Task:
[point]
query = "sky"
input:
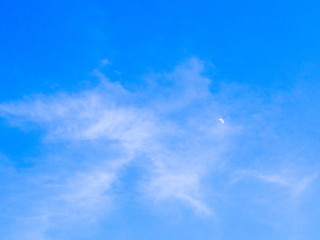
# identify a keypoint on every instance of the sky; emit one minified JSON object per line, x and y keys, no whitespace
{"x":138,"y":120}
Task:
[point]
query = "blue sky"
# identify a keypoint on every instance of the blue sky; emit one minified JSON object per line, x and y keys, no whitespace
{"x":109,"y":120}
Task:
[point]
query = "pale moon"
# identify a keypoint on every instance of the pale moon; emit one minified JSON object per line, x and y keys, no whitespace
{"x":221,"y":120}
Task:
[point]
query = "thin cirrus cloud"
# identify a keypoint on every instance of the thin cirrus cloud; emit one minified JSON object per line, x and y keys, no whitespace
{"x":100,"y":131}
{"x":294,"y":183}
{"x":172,"y":128}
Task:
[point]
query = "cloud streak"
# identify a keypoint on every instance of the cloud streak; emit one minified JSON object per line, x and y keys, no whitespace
{"x":170,"y":128}
{"x":111,"y":123}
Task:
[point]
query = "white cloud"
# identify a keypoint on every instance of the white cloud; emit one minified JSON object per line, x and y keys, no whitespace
{"x":182,"y":186}
{"x":105,"y":62}
{"x":118,"y":126}
{"x":169,"y":128}
{"x":292,"y":181}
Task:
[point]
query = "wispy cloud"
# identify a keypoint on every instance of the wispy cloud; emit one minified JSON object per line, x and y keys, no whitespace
{"x":170,"y":127}
{"x":292,"y":181}
{"x":118,"y":126}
